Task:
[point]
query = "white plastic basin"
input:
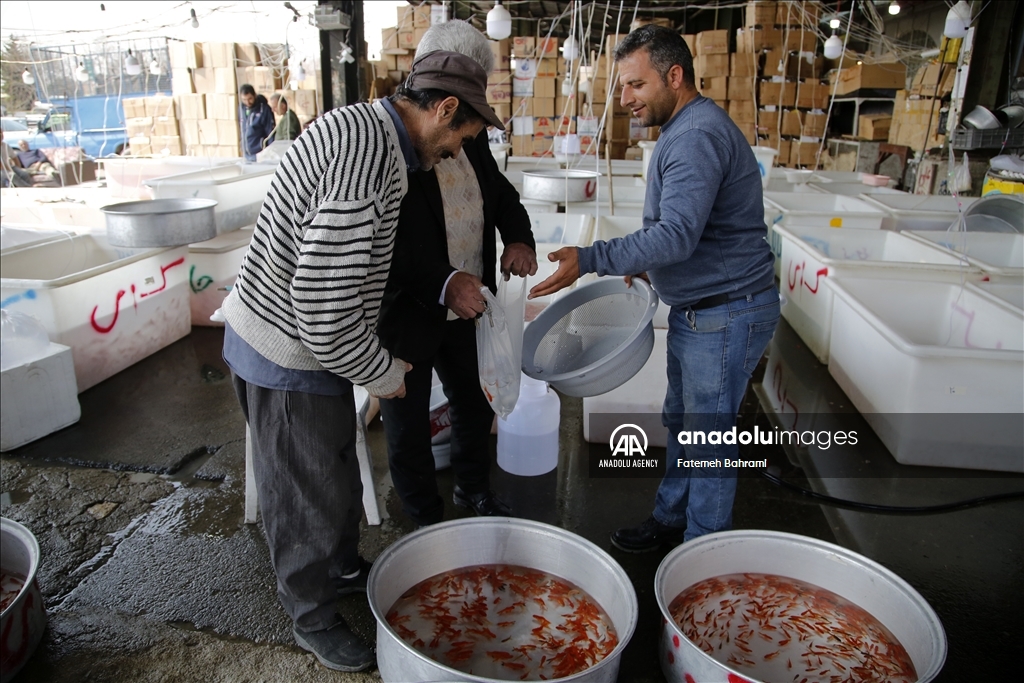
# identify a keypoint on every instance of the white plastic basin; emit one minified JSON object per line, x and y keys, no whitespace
{"x":113,"y":307}
{"x":127,"y":176}
{"x":994,"y":252}
{"x":239,"y":190}
{"x":835,"y":211}
{"x":812,"y":255}
{"x":919,"y":212}
{"x":937,"y":348}
{"x":851,"y":189}
{"x":212,"y":267}
{"x":1011,"y":293}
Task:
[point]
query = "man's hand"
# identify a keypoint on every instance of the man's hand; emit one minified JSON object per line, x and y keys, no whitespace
{"x":518,"y":259}
{"x":629,"y":279}
{"x":568,"y":272}
{"x":463,"y":296}
{"x":400,"y":391}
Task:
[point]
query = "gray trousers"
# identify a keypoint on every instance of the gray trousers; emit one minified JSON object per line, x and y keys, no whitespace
{"x":307,"y":477}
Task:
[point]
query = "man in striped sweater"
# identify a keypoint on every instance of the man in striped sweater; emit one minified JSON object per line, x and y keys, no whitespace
{"x":300,"y":328}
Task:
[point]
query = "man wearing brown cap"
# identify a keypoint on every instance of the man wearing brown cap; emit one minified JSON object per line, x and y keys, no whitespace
{"x":300,"y":330}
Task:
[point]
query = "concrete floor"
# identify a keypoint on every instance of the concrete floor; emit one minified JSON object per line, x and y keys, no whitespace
{"x":150,"y":575}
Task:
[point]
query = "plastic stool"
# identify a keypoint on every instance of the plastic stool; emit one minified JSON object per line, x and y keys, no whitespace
{"x":364,"y":413}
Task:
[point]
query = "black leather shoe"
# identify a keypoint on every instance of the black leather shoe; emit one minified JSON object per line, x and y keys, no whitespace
{"x":484,"y":504}
{"x":649,"y":535}
{"x":336,"y":648}
{"x":356,"y":584}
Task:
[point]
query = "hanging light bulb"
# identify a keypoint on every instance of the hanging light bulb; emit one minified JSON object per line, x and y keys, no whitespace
{"x":131,"y":65}
{"x":195,"y":19}
{"x":833,"y":47}
{"x":154,"y":68}
{"x":834,"y":23}
{"x":894,"y":8}
{"x":958,"y":20}
{"x":567,"y":85}
{"x":27,"y":78}
{"x":499,"y":22}
{"x":81,"y":74}
{"x":570,"y":49}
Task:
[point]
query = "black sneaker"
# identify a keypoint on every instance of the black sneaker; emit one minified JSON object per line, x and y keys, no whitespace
{"x":483,"y":504}
{"x":336,"y":648}
{"x":650,"y":535}
{"x":356,"y":584}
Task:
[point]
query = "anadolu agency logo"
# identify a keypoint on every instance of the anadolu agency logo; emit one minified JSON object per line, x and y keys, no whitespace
{"x":628,"y":444}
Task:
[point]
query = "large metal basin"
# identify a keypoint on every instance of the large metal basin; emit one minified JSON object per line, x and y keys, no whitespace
{"x":23,"y":622}
{"x":560,"y":185}
{"x":494,"y":540}
{"x":160,"y":222}
{"x":868,"y":584}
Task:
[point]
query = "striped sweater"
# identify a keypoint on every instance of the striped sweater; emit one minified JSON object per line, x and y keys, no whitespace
{"x":310,"y":286}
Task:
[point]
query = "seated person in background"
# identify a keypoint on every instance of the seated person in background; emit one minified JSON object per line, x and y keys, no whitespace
{"x":288,"y":127}
{"x":10,"y":174}
{"x":34,"y":161}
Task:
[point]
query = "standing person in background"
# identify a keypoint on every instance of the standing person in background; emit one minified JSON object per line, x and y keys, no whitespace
{"x":703,"y":246}
{"x":444,"y":254}
{"x":288,"y":127}
{"x":256,"y":119}
{"x":300,"y":326}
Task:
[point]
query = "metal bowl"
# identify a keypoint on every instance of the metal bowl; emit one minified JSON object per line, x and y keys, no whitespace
{"x":494,"y":540}
{"x":864,"y":582}
{"x":561,"y":185}
{"x":23,"y":622}
{"x":160,"y":222}
{"x":982,"y":119}
{"x":996,"y":213}
{"x":1014,"y":115}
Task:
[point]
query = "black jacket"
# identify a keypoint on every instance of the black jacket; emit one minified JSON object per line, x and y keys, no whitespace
{"x":411,"y":322}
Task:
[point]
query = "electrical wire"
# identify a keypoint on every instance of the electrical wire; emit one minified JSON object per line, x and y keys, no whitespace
{"x":892,"y":509}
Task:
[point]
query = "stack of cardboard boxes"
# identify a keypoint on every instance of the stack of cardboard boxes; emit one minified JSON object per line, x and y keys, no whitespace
{"x":152,"y":124}
{"x":398,"y":46}
{"x":917,"y":111}
{"x":540,"y":109}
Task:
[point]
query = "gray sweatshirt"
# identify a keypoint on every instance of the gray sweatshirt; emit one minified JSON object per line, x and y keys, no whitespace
{"x":703,"y":227}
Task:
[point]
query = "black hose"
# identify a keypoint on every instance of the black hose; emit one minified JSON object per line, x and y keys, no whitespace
{"x":891,"y":509}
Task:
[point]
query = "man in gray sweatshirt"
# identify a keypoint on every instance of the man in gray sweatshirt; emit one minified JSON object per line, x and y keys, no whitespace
{"x":703,"y":248}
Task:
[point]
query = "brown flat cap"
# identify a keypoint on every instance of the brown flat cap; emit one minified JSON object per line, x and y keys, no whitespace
{"x":455,"y":73}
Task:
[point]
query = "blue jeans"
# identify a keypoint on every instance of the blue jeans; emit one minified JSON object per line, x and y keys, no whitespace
{"x":711,"y":355}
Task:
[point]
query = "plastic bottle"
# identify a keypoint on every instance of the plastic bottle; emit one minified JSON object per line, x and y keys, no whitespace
{"x":23,"y":339}
{"x":528,"y":437}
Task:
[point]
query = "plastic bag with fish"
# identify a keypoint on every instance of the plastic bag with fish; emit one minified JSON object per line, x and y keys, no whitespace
{"x":499,"y":344}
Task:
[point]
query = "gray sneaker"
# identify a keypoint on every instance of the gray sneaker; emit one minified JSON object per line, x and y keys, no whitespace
{"x":336,"y":647}
{"x":356,"y":584}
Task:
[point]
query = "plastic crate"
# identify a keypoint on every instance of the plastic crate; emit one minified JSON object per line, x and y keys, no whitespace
{"x":970,"y":138}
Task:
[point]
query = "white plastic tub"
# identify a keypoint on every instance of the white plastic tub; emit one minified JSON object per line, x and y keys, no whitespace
{"x":812,"y":255}
{"x":938,"y":348}
{"x":560,"y":228}
{"x":127,"y":176}
{"x":113,"y":307}
{"x":212,"y":268}
{"x":994,"y":252}
{"x":1011,"y":293}
{"x":20,"y":236}
{"x":834,"y":211}
{"x":239,"y":190}
{"x":765,"y":157}
{"x":852,"y":189}
{"x":919,"y":212}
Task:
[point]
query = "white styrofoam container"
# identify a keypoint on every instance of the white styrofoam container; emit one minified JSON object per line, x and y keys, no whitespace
{"x":113,"y":307}
{"x":38,"y":398}
{"x":839,"y":176}
{"x":812,"y":255}
{"x":852,"y":189}
{"x":604,"y":208}
{"x":834,"y":211}
{"x":24,"y":235}
{"x":641,"y":398}
{"x":919,"y":212}
{"x":126,"y":176}
{"x":560,"y":228}
{"x":994,"y":252}
{"x":212,"y":267}
{"x":1010,"y":292}
{"x":778,"y":183}
{"x":932,"y":370}
{"x":239,"y":190}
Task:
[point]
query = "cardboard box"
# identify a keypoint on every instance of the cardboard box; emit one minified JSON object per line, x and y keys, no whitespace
{"x":544,"y":126}
{"x":304,"y":103}
{"x":757,"y":39}
{"x":778,"y":93}
{"x":525,"y":68}
{"x":189,"y":132}
{"x":140,"y":126}
{"x":547,"y":48}
{"x":768,"y":120}
{"x":221,"y":106}
{"x":407,"y":39}
{"x":545,"y":107}
{"x":742,"y":111}
{"x":181,"y":82}
{"x":191,"y":106}
{"x":638,"y":131}
{"x":760,"y":14}
{"x":775,"y":62}
{"x":522,"y":146}
{"x":803,"y":153}
{"x":715,"y":88}
{"x":160,"y":105}
{"x":246,"y":54}
{"x":796,"y":13}
{"x":522,"y":87}
{"x":185,"y":55}
{"x":933,"y":80}
{"x":792,"y":122}
{"x":545,"y":87}
{"x":800,"y":41}
{"x":166,"y":126}
{"x":547,"y":68}
{"x":710,"y":66}
{"x":207,"y":132}
{"x":885,"y":76}
{"x":140,"y":146}
{"x":166,"y":144}
{"x":502,"y":51}
{"x":814,"y":125}
{"x":523,"y":46}
{"x":749,"y":131}
{"x":499,"y":94}
{"x":874,"y":126}
{"x":617,"y":127}
{"x":503,"y":112}
{"x":397,"y":77}
{"x":224,"y":80}
{"x":417,"y":35}
{"x":203,"y":81}
{"x":744,"y":64}
{"x":804,"y":65}
{"x":389,"y":38}
{"x":227,"y":131}
{"x":421,"y":16}
{"x":691,"y":42}
{"x":134,"y":107}
{"x":404,"y":62}
{"x":812,"y":95}
{"x":713,"y":42}
{"x":742,"y":89}
{"x":219,"y":55}
{"x":567,"y":106}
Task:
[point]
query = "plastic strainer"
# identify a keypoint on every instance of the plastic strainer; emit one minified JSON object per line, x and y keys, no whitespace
{"x":593,"y":339}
